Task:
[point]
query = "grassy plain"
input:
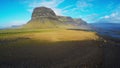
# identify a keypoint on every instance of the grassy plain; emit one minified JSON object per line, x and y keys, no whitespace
{"x":50,"y":48}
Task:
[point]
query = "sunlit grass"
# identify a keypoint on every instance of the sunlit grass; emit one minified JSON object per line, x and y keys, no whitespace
{"x":10,"y":32}
{"x":65,"y":35}
{"x":48,"y":34}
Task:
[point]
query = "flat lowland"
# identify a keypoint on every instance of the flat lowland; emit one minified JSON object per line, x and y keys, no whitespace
{"x":50,"y":48}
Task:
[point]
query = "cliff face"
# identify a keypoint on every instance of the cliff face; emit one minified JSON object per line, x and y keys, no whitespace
{"x":42,"y":12}
{"x":43,"y":17}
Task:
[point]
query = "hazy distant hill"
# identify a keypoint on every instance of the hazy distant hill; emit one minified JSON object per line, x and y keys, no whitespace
{"x":43,"y":17}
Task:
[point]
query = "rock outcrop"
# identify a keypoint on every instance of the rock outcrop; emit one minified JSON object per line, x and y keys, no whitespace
{"x":43,"y":17}
{"x":42,"y":12}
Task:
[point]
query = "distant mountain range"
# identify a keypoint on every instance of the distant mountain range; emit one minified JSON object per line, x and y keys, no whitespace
{"x":43,"y":17}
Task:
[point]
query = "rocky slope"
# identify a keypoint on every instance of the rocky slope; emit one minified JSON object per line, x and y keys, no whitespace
{"x":43,"y":17}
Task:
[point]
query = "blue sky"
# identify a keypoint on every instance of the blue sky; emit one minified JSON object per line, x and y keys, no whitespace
{"x":17,"y":12}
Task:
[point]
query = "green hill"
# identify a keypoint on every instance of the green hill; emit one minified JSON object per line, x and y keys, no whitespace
{"x":43,"y":17}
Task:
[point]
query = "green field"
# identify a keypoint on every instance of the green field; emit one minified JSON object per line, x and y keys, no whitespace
{"x":57,"y":48}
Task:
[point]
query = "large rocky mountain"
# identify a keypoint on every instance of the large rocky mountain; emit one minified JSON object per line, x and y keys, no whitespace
{"x":43,"y":17}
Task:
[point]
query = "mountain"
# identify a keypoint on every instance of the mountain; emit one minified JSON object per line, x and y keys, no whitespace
{"x":43,"y":17}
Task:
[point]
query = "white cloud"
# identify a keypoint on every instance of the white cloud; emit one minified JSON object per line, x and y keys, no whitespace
{"x":68,"y":7}
{"x":84,"y":5}
{"x":113,"y":17}
{"x":113,"y":14}
{"x":106,"y":16}
{"x":50,"y":4}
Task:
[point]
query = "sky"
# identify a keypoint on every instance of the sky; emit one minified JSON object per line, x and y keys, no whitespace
{"x":18,"y":12}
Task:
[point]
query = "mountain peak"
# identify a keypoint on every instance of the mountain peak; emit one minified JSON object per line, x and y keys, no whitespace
{"x":43,"y":12}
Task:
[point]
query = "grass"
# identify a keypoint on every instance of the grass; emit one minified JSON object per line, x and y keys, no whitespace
{"x":56,"y":48}
{"x":18,"y":31}
{"x":48,"y":34}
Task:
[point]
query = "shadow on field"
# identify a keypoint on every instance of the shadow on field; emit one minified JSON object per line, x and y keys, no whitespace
{"x":111,"y":52}
{"x":28,"y":53}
